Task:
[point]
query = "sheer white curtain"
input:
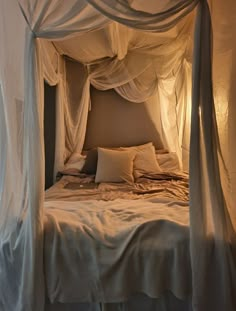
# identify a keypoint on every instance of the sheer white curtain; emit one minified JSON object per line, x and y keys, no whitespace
{"x":155,"y":20}
{"x":146,"y":76}
{"x":137,"y":72}
{"x":175,"y":97}
{"x":22,"y":187}
{"x":212,"y":234}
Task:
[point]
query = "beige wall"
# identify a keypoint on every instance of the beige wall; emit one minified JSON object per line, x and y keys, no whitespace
{"x":113,"y":121}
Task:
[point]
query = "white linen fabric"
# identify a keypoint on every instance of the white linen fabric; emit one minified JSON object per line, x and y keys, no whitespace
{"x":21,"y":194}
{"x":123,"y":244}
{"x":212,"y":167}
{"x":75,"y":164}
{"x":137,"y":66}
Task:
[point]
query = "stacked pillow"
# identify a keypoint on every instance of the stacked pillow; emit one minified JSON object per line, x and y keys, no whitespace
{"x":121,"y":164}
{"x":145,"y":161}
{"x":115,"y":166}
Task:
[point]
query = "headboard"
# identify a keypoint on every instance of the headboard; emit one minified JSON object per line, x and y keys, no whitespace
{"x":115,"y":122}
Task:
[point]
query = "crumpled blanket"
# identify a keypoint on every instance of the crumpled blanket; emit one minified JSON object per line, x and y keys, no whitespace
{"x":107,"y":251}
{"x":83,"y":187}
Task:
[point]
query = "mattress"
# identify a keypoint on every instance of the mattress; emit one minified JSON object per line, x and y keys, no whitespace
{"x":107,"y":242}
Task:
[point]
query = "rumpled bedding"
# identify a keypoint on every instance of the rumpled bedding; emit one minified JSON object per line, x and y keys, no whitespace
{"x":82,"y":187}
{"x":101,"y":250}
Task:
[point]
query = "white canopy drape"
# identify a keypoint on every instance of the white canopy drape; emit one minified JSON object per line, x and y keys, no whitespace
{"x":22,"y":164}
{"x":137,"y":66}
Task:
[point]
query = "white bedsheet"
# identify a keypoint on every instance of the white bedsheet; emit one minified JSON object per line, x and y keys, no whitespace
{"x":107,"y":251}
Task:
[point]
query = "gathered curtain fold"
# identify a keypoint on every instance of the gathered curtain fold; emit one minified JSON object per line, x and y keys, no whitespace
{"x":127,"y":14}
{"x":139,"y":60}
{"x":58,"y":19}
{"x":25,"y":240}
{"x":134,"y":76}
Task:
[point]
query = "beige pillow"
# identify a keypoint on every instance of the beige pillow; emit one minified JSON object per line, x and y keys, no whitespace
{"x":115,"y":166}
{"x":145,"y":161}
{"x":168,"y":162}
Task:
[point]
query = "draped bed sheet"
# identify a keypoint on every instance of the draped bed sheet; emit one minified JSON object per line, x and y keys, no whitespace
{"x":105,"y":243}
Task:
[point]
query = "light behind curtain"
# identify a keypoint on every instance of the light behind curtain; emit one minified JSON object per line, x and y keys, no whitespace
{"x":224,"y":77}
{"x":23,"y":238}
{"x":175,"y":97}
{"x":147,"y":66}
{"x":71,"y":118}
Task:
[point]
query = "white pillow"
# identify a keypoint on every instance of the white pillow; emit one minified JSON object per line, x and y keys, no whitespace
{"x":169,"y":162}
{"x":145,"y":161}
{"x":115,"y":166}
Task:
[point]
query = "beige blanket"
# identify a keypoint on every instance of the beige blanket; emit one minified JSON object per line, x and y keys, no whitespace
{"x":107,"y":251}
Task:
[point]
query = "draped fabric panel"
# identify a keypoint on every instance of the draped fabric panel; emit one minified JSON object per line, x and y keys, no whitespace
{"x":141,"y":67}
{"x":212,"y":233}
{"x":21,"y":172}
{"x":59,"y":19}
{"x":175,"y":94}
{"x":18,"y":262}
{"x":76,"y":123}
{"x":22,"y":195}
{"x":129,"y":14}
{"x":136,"y":73}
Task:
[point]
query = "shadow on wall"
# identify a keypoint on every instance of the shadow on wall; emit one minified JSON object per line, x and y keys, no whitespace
{"x":49,"y":132}
{"x":114,"y":121}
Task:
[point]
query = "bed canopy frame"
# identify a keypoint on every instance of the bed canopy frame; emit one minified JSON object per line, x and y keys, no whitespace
{"x":212,"y":169}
